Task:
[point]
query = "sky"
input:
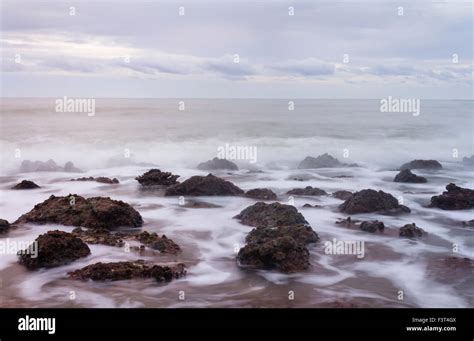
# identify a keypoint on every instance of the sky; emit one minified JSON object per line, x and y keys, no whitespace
{"x":237,"y":49}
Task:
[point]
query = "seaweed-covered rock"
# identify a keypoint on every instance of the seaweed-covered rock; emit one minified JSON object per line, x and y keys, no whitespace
{"x":454,"y":198}
{"x":54,"y":248}
{"x":270,"y":215}
{"x":369,"y":200}
{"x":342,"y":195}
{"x":261,"y":194}
{"x":129,"y":270}
{"x":209,"y":185}
{"x":100,"y":179}
{"x":155,"y":177}
{"x":25,"y":184}
{"x":411,"y":231}
{"x":4,"y":226}
{"x":216,"y":164}
{"x":154,"y":241}
{"x":302,"y":234}
{"x":372,"y":226}
{"x":308,"y":190}
{"x":74,"y":210}
{"x":99,"y":236}
{"x":422,"y":164}
{"x":407,"y":176}
{"x":322,"y":161}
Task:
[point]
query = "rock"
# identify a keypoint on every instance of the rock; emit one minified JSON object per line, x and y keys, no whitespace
{"x":302,"y":234}
{"x":411,"y":231}
{"x":209,"y":185}
{"x":199,"y":204}
{"x":155,"y":177}
{"x":407,"y":176}
{"x":312,"y":206}
{"x":372,"y":226}
{"x":270,"y":215}
{"x":74,"y":210}
{"x":54,"y":248}
{"x":468,"y":161}
{"x":26,"y":184}
{"x":301,"y":177}
{"x":455,"y":198}
{"x":261,"y":194}
{"x":162,"y":244}
{"x":322,"y":161}
{"x":422,"y":164}
{"x":308,"y":190}
{"x":28,"y":166}
{"x":101,"y":179}
{"x":369,"y":200}
{"x":459,"y":263}
{"x":216,"y":164}
{"x":469,"y":223}
{"x":99,"y":236}
{"x":343,"y":195}
{"x":128,"y":270}
{"x":347,"y":222}
{"x":4,"y":226}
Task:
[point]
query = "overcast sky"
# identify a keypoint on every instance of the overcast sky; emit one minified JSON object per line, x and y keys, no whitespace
{"x":217,"y":49}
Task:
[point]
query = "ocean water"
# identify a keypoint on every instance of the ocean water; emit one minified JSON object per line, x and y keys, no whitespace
{"x":126,"y":137}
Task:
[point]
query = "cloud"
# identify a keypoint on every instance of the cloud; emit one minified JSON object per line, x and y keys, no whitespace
{"x":305,"y":67}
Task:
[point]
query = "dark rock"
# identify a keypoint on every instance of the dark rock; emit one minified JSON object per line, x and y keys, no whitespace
{"x":459,"y":263}
{"x":347,"y":222}
{"x":372,"y":226}
{"x":455,"y":198}
{"x":155,"y":177}
{"x":469,"y":223}
{"x":407,"y":176}
{"x":343,"y":195}
{"x":101,"y":179}
{"x":26,"y":184}
{"x":301,"y":177}
{"x":322,"y":161}
{"x":422,"y":164}
{"x":4,"y":226}
{"x":97,"y":212}
{"x":261,"y":194}
{"x":282,"y":253}
{"x":99,"y":236}
{"x":411,"y":231}
{"x":128,"y":270}
{"x":312,"y":206}
{"x":199,"y":204}
{"x":54,"y":248}
{"x":369,"y":200}
{"x":270,"y":215}
{"x":28,"y":166}
{"x":209,"y":185}
{"x":162,"y":244}
{"x":302,"y":234}
{"x":468,"y":161}
{"x":308,"y":190}
{"x":216,"y":164}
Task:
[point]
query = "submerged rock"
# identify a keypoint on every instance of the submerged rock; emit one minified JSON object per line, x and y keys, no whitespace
{"x":372,"y":226}
{"x":468,"y":161}
{"x":454,"y":198}
{"x":302,"y":234}
{"x":216,"y":164}
{"x":422,"y":164}
{"x":4,"y":226}
{"x":28,"y":166}
{"x":407,"y":176}
{"x":308,"y":190}
{"x":54,"y":248}
{"x":100,"y":179}
{"x":209,"y":185}
{"x":342,"y":195}
{"x":25,"y":184}
{"x":154,"y":241}
{"x":199,"y":204}
{"x":99,"y":236}
{"x":155,"y":177}
{"x":369,"y":200}
{"x":307,"y":205}
{"x":129,"y":270}
{"x":322,"y":161}
{"x":261,"y":194}
{"x":411,"y":231}
{"x":74,"y":210}
{"x":270,"y":215}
